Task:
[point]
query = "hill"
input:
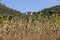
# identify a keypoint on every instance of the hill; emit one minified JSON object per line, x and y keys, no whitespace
{"x":50,"y":11}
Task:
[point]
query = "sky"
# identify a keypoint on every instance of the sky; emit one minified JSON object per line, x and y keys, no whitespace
{"x":29,"y":5}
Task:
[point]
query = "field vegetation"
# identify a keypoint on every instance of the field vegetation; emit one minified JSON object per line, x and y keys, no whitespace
{"x":42,"y":25}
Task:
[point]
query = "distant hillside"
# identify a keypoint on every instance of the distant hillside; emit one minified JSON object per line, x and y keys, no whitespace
{"x":7,"y":10}
{"x":49,"y":11}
